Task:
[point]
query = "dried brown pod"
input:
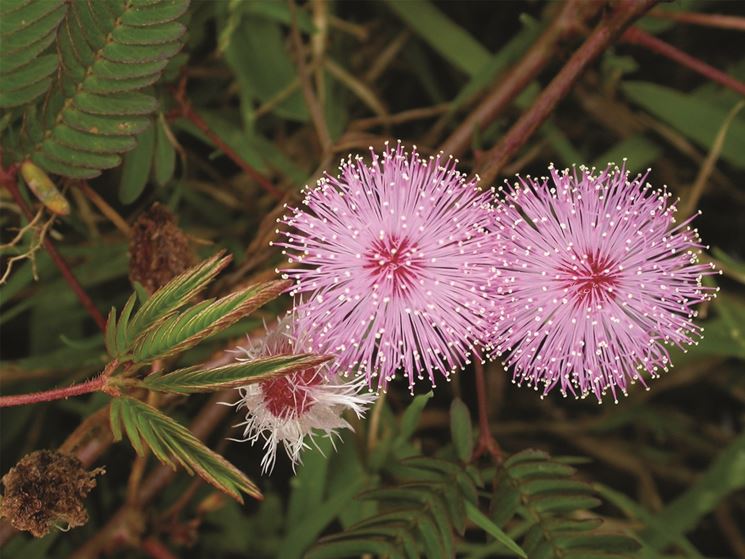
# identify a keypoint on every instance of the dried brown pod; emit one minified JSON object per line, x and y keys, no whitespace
{"x":46,"y":489}
{"x":159,"y":250}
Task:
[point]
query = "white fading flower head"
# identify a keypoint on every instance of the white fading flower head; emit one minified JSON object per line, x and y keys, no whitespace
{"x":292,"y":409}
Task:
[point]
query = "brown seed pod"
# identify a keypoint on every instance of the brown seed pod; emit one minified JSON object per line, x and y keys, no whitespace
{"x":46,"y":489}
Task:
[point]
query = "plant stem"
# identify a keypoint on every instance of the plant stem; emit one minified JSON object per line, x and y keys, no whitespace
{"x":708,"y":20}
{"x":96,"y":384}
{"x":314,"y":107}
{"x":188,"y":112}
{"x":93,"y":385}
{"x":105,"y":208}
{"x":567,"y":22}
{"x":8,"y":182}
{"x":156,"y":549}
{"x":486,"y":441}
{"x":635,"y":36}
{"x":625,"y":13}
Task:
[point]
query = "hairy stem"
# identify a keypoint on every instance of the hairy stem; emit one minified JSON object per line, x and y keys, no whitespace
{"x":93,"y":385}
{"x":8,"y":182}
{"x":97,"y":384}
{"x":625,"y":13}
{"x":188,"y":112}
{"x":636,"y":36}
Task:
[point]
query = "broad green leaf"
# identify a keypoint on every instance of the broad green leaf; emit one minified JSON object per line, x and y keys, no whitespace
{"x":461,"y":429}
{"x":172,"y":444}
{"x":695,"y":118}
{"x":654,"y":529}
{"x":638,"y":151}
{"x":301,"y":535}
{"x":164,"y":157}
{"x":443,"y":35}
{"x":725,"y":476}
{"x":410,"y":418}
{"x":235,"y":375}
{"x":136,"y":168}
{"x":259,"y":58}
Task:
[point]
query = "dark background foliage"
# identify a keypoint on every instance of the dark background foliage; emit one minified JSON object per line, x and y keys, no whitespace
{"x":668,"y":463}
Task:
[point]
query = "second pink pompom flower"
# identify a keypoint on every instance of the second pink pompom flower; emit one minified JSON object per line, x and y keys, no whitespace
{"x":394,"y":266}
{"x":597,"y":276}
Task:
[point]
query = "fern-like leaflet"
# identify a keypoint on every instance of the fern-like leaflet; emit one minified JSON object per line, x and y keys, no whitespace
{"x":543,"y":491}
{"x":108,"y":53}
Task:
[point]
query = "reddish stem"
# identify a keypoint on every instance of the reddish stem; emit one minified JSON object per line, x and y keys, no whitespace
{"x":188,"y":112}
{"x":93,"y":385}
{"x":156,"y":549}
{"x":486,"y":441}
{"x":573,"y":13}
{"x":636,"y":36}
{"x":625,"y":13}
{"x":708,"y":20}
{"x":8,"y":181}
{"x":97,"y":384}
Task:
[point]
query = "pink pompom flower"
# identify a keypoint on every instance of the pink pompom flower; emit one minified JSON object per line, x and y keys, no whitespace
{"x":292,"y":409}
{"x":597,"y":277}
{"x":394,"y":266}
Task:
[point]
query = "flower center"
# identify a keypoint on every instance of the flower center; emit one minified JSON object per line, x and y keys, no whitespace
{"x":592,"y":280}
{"x":288,"y":396}
{"x":394,"y":261}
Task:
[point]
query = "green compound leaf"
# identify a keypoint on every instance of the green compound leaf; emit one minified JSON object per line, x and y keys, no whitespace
{"x":184,"y":330}
{"x":109,"y":52}
{"x":195,"y":379}
{"x":544,"y":492}
{"x":176,"y":293}
{"x":173,"y":444}
{"x":27,"y":29}
{"x":483,"y":522}
{"x":416,"y":517}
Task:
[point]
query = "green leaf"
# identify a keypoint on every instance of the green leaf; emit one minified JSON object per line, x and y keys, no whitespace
{"x":653,"y":527}
{"x":694,"y":117}
{"x":136,"y":168}
{"x":638,"y":151}
{"x":483,"y":522}
{"x":28,"y":29}
{"x":110,"y":337}
{"x":258,"y":57}
{"x":109,"y":52}
{"x":302,"y":535}
{"x":461,"y":429}
{"x":176,"y":293}
{"x":725,"y":476}
{"x":443,"y":35}
{"x":342,"y":548}
{"x":173,"y":444}
{"x":235,"y":375}
{"x":164,"y":158}
{"x":183,"y":330}
{"x":410,"y":418}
